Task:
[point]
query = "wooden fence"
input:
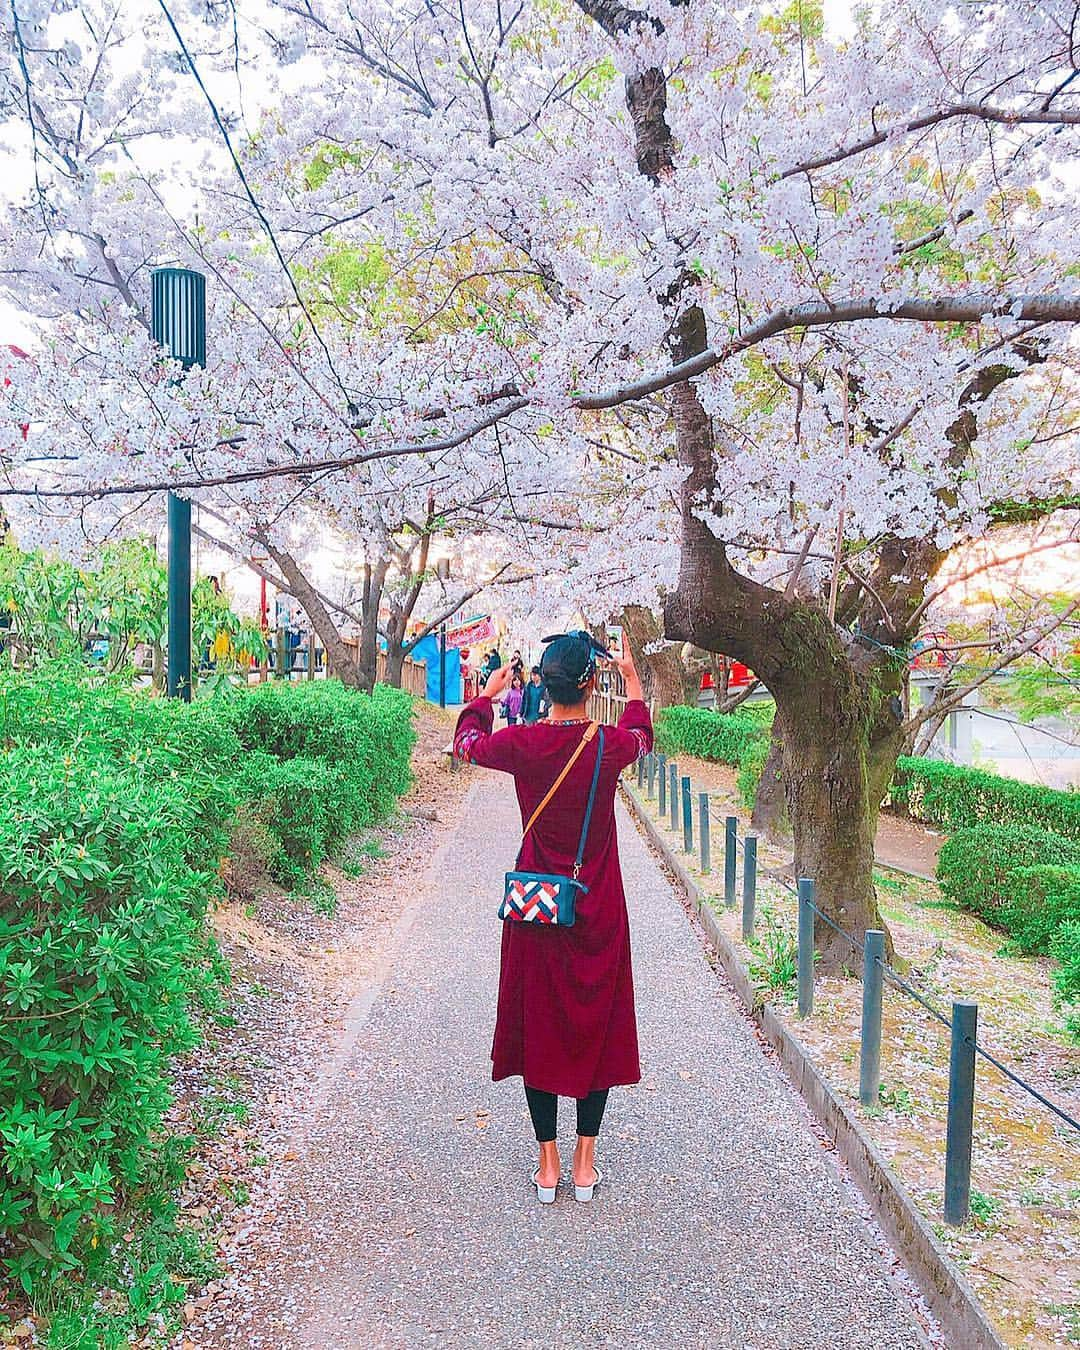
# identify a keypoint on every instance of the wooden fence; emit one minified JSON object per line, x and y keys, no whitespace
{"x":413,"y":675}
{"x":609,"y":697}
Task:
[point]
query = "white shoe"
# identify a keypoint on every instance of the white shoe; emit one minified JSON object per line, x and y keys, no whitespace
{"x":586,"y":1192}
{"x":545,"y":1194}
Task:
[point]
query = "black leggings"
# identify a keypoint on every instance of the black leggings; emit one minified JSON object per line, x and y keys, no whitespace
{"x":544,"y":1109}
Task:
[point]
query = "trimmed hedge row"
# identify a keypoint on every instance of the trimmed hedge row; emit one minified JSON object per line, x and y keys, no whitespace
{"x":322,"y":762}
{"x":115,"y":815}
{"x":955,"y":797}
{"x":1025,"y":881}
{"x":739,"y":738}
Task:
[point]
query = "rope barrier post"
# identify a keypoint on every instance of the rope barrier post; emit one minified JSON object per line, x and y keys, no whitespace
{"x":870,"y":1049}
{"x":652,"y":777}
{"x":703,"y":830}
{"x":965,"y":1018}
{"x":687,"y":817}
{"x":731,"y":848}
{"x":673,"y":796}
{"x":663,"y":786}
{"x":749,"y":884}
{"x":806,"y":946}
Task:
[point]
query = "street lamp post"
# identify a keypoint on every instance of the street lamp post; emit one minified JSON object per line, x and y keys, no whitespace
{"x":178,"y":323}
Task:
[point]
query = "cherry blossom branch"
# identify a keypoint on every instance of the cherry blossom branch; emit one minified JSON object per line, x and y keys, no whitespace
{"x":1010,"y":654}
{"x":969,"y":308}
{"x":1006,"y":116}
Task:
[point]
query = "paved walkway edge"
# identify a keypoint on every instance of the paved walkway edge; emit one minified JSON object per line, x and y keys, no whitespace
{"x":948,"y":1293}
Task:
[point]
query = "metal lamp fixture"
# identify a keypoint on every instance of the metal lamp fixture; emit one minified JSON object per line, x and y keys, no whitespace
{"x":178,"y":323}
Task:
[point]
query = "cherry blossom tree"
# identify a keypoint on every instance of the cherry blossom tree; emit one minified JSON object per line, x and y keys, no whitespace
{"x":653,"y":299}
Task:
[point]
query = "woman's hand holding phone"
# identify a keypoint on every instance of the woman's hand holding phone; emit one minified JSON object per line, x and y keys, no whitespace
{"x":624,"y":664}
{"x":498,"y":681}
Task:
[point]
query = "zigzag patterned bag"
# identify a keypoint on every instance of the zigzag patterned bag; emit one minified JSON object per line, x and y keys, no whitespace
{"x":546,"y":897}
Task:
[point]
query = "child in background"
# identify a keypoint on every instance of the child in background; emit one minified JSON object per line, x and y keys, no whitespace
{"x":512,"y":701}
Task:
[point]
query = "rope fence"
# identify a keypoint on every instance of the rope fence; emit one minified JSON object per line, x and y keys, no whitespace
{"x":660,"y":780}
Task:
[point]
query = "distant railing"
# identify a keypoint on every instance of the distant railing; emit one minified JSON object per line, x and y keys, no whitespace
{"x":609,"y":697}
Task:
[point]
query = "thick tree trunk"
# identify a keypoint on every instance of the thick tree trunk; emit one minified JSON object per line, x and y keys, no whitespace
{"x":664,"y":677}
{"x":833,"y":823}
{"x":770,"y":815}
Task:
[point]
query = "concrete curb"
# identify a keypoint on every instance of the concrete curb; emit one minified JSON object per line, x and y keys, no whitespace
{"x":948,"y":1293}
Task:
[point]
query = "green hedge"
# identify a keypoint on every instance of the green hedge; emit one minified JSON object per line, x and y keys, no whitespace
{"x":1003,"y":873}
{"x":368,"y":738}
{"x":955,"y":797}
{"x":115,"y":816}
{"x":739,"y":738}
{"x":1044,"y":898}
{"x":322,"y":762}
{"x":1065,"y":948}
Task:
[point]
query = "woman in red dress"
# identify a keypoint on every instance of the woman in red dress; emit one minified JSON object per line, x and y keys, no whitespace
{"x":565,"y":1018}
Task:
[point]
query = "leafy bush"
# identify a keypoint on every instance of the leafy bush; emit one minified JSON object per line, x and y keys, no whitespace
{"x":751,"y":766}
{"x":739,"y":738}
{"x":116,"y":811}
{"x":979,"y":868}
{"x":62,"y":708}
{"x":323,"y":762}
{"x":708,"y":735}
{"x":1042,"y":899}
{"x":1065,"y":948}
{"x":102,"y":948}
{"x":955,"y":797}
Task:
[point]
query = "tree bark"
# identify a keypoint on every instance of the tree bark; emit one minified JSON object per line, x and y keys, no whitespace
{"x":665,"y":679}
{"x":824,"y":735}
{"x":395,"y":664}
{"x":770,"y":815}
{"x":368,"y":651}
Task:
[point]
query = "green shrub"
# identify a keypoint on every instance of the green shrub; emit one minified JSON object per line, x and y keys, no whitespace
{"x":751,"y":766}
{"x":723,"y":737}
{"x":1042,"y":899}
{"x":369,"y":737}
{"x":305,"y":805}
{"x":978,"y":868}
{"x":61,"y":707}
{"x":322,"y":763}
{"x":116,"y":810}
{"x":102,"y":947}
{"x":955,"y":797}
{"x":1065,"y":948}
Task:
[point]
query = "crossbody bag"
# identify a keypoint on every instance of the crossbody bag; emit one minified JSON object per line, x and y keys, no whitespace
{"x":547,"y":897}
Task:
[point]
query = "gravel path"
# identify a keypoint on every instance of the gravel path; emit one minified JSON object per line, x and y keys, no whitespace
{"x":409,"y":1220}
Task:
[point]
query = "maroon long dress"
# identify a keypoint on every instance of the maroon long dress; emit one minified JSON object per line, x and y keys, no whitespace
{"x":565,"y":1018}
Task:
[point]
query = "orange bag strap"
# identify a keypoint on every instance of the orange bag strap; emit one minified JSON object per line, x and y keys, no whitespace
{"x":590,"y":732}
